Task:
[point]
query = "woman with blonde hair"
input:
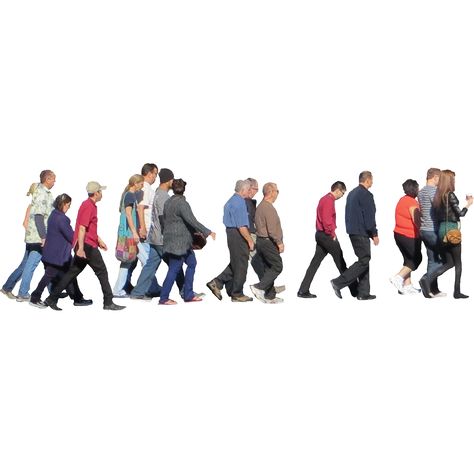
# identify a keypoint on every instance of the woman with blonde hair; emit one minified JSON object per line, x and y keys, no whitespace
{"x":448,"y":213}
{"x":129,"y":219}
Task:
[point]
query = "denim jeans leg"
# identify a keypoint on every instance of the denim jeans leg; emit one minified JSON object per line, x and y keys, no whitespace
{"x":121,"y":279}
{"x":145,"y":280}
{"x":191,"y":262}
{"x":175,"y":264}
{"x":34,"y":258}
{"x":15,"y":277}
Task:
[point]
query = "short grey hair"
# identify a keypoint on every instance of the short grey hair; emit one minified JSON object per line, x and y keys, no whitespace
{"x":242,"y":184}
{"x":253,"y":182}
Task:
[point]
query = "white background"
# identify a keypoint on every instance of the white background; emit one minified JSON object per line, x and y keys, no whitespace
{"x":300,"y":93}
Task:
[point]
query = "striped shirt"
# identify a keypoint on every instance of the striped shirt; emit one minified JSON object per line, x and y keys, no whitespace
{"x":428,"y":217}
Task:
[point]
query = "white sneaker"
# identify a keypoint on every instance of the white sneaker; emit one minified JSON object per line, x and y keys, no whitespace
{"x":438,"y":295}
{"x":275,"y":300}
{"x":410,"y":290}
{"x":280,"y":289}
{"x":259,"y":294}
{"x":397,"y":282}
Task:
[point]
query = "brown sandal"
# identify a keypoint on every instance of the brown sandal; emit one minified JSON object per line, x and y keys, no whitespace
{"x":168,"y":302}
{"x":193,"y":299}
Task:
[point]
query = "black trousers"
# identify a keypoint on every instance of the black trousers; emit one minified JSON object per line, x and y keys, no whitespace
{"x":235,"y":274}
{"x":53,"y":274}
{"x":325,"y":245}
{"x":95,"y":261}
{"x":256,"y":260}
{"x":359,"y":270}
{"x":273,"y":266}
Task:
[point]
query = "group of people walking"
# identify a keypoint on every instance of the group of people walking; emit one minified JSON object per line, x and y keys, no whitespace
{"x":156,"y":227}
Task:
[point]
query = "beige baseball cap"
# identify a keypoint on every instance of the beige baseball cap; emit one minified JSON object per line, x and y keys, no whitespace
{"x":94,"y":187}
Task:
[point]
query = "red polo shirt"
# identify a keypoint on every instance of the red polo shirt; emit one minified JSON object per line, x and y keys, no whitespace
{"x":326,"y":215}
{"x":87,"y":216}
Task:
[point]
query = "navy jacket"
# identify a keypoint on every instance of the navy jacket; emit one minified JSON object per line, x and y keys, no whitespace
{"x":360,"y":212}
{"x":57,"y":249}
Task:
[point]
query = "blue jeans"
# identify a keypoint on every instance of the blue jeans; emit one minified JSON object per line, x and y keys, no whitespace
{"x":15,"y":277}
{"x":147,"y":276}
{"x":175,"y":266}
{"x":33,"y":258}
{"x":122,"y":279}
{"x":431,"y":241}
{"x":144,"y":250}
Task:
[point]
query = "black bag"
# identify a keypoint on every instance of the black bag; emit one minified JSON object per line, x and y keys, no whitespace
{"x":199,"y":241}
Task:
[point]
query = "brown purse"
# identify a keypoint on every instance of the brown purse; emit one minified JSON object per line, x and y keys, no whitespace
{"x":452,"y":236}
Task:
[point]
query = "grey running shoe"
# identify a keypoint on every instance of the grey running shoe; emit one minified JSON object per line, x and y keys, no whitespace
{"x":39,"y":304}
{"x":8,"y":294}
{"x":22,"y":299}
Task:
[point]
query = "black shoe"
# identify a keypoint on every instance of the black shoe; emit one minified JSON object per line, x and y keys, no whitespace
{"x":52,"y":304}
{"x":460,"y":296}
{"x":63,"y":295}
{"x":113,"y":307}
{"x":305,"y":294}
{"x":425,"y":287}
{"x":82,"y":302}
{"x":141,"y":297}
{"x":366,"y":297}
{"x":336,"y":289}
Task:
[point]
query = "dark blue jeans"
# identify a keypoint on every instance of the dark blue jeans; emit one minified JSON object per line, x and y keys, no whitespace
{"x":433,"y":252}
{"x":175,"y":263}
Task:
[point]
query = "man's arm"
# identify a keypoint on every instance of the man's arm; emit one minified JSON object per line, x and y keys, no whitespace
{"x":244,"y":232}
{"x":141,"y":221}
{"x":80,"y":242}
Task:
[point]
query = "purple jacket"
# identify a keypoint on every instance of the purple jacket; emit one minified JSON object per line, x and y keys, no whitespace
{"x":57,"y":249}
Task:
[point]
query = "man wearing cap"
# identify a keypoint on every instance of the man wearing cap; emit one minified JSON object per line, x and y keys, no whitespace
{"x":87,"y":243}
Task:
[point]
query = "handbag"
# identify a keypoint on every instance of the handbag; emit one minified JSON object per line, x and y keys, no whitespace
{"x":452,"y":236}
{"x":199,"y":241}
{"x":126,"y":249}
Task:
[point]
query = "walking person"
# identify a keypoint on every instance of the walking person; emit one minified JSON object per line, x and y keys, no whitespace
{"x":407,"y":237}
{"x":144,"y":209}
{"x":179,"y":225}
{"x":57,"y":254}
{"x":448,"y":214}
{"x":326,"y":240}
{"x":128,"y":213}
{"x":35,"y":235}
{"x":269,"y":245}
{"x":86,"y":243}
{"x":240,"y":244}
{"x":362,"y":228}
{"x":429,"y":227}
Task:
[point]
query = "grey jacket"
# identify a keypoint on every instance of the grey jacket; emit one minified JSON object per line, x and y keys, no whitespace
{"x":179,"y":226}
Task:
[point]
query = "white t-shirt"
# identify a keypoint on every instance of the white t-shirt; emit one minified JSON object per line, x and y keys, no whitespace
{"x":147,"y":201}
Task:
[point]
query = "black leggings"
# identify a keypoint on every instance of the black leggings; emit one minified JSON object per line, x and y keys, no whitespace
{"x":410,"y":248}
{"x":452,"y":258}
